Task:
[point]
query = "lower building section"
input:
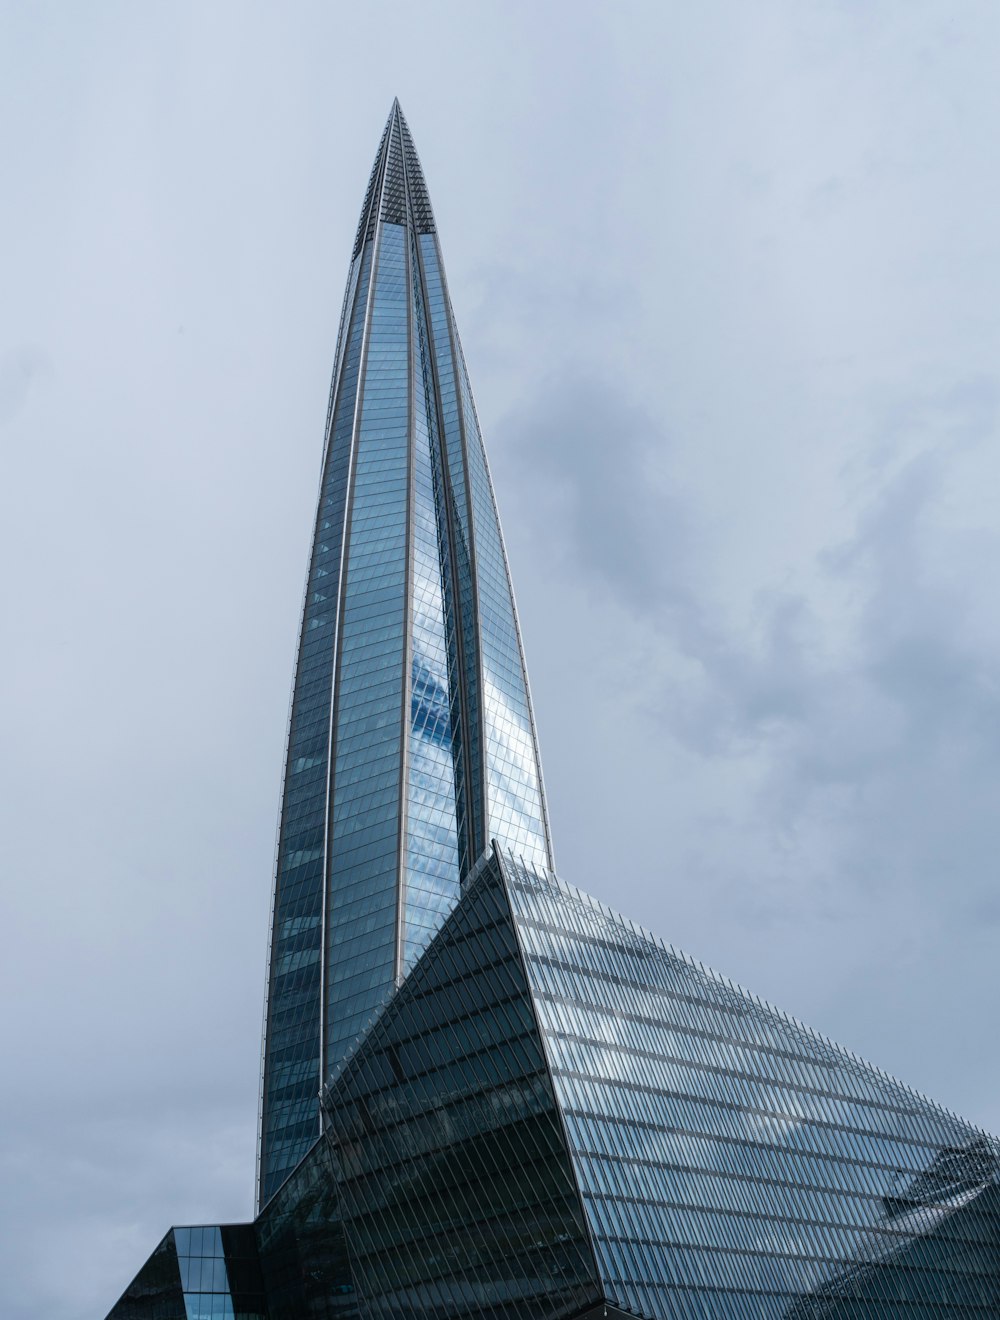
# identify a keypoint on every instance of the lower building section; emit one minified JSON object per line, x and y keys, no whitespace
{"x":734,"y":1164}
{"x":557,"y":1117}
{"x":456,"y":1186}
{"x":203,"y":1273}
{"x":300,"y":1240}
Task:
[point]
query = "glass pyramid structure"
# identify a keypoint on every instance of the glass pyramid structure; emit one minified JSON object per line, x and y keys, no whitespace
{"x":487,"y":1096}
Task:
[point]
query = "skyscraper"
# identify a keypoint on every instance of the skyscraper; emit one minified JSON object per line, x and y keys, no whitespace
{"x":487,"y":1096}
{"x":411,"y":742}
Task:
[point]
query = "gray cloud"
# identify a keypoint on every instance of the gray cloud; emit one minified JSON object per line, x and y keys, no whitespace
{"x":594,"y":457}
{"x":727,"y":279}
{"x":853,"y":730}
{"x":892,"y":704}
{"x":19,"y":367}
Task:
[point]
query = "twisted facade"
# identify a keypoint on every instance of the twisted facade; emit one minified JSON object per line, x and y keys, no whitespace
{"x":411,"y":741}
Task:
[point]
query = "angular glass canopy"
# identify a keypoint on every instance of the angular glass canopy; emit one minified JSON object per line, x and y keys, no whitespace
{"x":733,"y":1163}
{"x":411,"y":742}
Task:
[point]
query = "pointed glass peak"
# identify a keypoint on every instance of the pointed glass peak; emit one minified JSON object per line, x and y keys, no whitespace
{"x":396,"y":193}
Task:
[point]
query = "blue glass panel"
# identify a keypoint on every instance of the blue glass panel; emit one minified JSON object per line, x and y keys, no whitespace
{"x":463,"y":634}
{"x":513,"y":811}
{"x":292,"y":1038}
{"x":362,"y":912}
{"x":198,"y":1273}
{"x":432,"y":846}
{"x":516,"y":809}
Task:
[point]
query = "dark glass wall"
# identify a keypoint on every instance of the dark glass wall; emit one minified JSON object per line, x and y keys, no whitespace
{"x":292,"y":1068}
{"x":945,"y":1260}
{"x":301,"y":1245}
{"x":208,"y":1272}
{"x":457,"y":1198}
{"x":155,"y":1293}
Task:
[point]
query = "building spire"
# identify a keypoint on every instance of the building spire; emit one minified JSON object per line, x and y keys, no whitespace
{"x":396,"y":192}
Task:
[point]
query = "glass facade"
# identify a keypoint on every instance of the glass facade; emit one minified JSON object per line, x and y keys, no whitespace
{"x":411,"y":741}
{"x":733,"y":1163}
{"x":486,"y":1095}
{"x":155,"y":1293}
{"x":558,"y":1117}
{"x":456,"y":1190}
{"x":302,"y":1252}
{"x":210,"y":1272}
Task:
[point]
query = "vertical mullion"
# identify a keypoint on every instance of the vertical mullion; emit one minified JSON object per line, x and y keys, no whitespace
{"x":407,"y":684}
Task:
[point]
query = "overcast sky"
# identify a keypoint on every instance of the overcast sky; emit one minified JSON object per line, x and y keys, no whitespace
{"x":728,"y":279}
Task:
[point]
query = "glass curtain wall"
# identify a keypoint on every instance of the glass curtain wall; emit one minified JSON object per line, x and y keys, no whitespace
{"x":411,"y":743}
{"x":733,"y":1163}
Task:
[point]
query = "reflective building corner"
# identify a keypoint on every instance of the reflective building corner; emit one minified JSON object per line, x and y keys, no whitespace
{"x":485,"y":1094}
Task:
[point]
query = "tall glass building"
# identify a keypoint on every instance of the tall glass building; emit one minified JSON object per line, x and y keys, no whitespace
{"x":411,"y":742}
{"x":487,"y":1096}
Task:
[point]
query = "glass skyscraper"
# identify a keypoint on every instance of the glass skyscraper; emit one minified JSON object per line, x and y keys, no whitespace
{"x":486,"y":1095}
{"x":411,"y":741}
